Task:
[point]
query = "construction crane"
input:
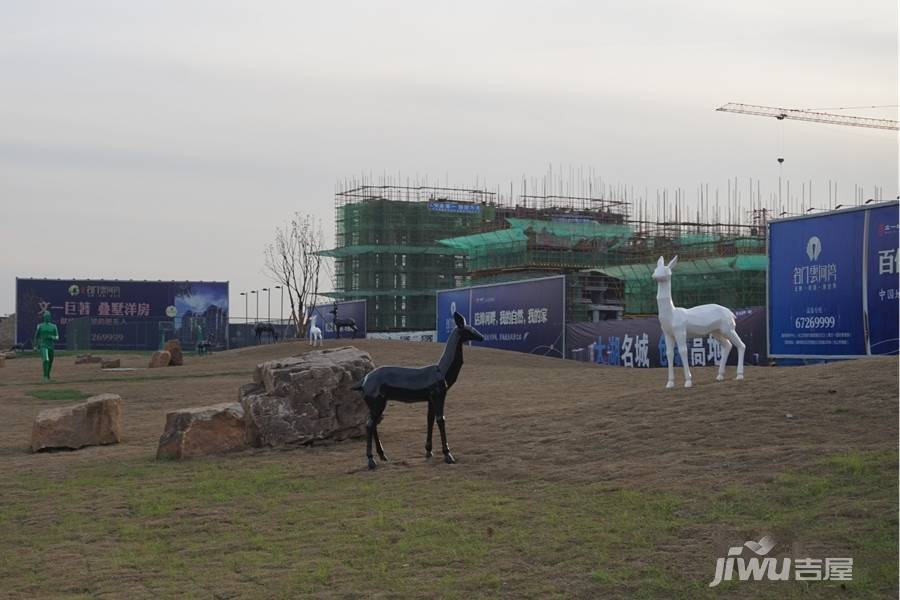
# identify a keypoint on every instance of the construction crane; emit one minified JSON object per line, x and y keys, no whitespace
{"x":798,"y":114}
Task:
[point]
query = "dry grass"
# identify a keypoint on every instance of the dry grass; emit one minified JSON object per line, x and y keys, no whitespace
{"x":573,"y":480}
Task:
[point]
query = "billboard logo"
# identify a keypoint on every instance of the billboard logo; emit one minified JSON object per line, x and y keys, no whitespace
{"x":171,"y":311}
{"x":74,"y":290}
{"x":813,"y":248}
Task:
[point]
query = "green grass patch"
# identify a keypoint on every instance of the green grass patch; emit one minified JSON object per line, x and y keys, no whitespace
{"x":254,"y":526}
{"x":58,"y":394}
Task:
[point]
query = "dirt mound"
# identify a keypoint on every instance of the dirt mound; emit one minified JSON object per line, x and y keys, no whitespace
{"x":511,"y":414}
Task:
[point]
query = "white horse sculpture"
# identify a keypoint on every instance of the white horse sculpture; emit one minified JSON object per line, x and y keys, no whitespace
{"x":679,"y":323}
{"x":314,"y":332}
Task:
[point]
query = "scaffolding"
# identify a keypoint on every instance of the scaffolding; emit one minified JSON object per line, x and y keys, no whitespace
{"x":397,"y":245}
{"x":386,"y":249}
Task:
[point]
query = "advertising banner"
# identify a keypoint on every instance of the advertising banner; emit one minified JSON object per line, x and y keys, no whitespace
{"x":832,"y":284}
{"x":882,"y":272}
{"x":350,"y":315}
{"x":125,"y":315}
{"x":522,"y":316}
{"x":640,"y":343}
{"x":815,"y":286}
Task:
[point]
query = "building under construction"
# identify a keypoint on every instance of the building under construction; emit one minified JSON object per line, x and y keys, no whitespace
{"x":396,"y":245}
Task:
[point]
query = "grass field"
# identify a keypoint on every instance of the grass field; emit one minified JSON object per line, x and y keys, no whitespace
{"x":573,"y":481}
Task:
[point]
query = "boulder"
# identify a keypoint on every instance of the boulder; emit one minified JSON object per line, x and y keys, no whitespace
{"x":160,"y":359}
{"x":173,"y":347}
{"x":203,"y":430}
{"x":304,"y":398}
{"x":94,"y":422}
{"x":9,"y":355}
{"x":85,"y":359}
{"x":111,"y":364}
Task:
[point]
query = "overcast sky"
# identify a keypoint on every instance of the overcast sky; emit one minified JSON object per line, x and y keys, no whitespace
{"x":166,"y":140}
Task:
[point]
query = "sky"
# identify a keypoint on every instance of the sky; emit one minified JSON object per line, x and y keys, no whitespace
{"x":168,"y":140}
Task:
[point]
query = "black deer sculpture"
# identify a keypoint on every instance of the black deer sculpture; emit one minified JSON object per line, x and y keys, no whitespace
{"x":425,"y":384}
{"x":267,"y":329}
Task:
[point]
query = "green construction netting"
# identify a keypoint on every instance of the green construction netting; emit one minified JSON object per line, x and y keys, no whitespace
{"x":385,"y":249}
{"x":579,"y":230}
{"x":515,"y":237}
{"x":704,"y":266}
{"x":479,"y":241}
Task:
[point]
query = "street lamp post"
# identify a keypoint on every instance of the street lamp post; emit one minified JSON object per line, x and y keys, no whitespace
{"x":246,"y":316}
{"x":281,"y":312}
{"x":269,"y":300}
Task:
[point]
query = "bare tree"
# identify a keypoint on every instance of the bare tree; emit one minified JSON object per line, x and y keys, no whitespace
{"x":293,"y":261}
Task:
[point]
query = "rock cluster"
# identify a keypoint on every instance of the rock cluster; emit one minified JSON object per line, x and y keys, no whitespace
{"x":160,"y":359}
{"x":87,"y":359}
{"x":291,"y":401}
{"x":303,"y":398}
{"x":173,"y":347}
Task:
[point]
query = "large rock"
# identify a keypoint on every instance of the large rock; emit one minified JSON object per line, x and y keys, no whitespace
{"x":303,"y":398}
{"x":94,"y":422}
{"x":173,"y":347}
{"x":160,"y":359}
{"x":114,"y":363}
{"x":203,"y":430}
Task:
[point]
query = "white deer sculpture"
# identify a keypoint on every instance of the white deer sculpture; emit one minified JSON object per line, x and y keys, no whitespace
{"x":679,"y":323}
{"x":314,"y":332}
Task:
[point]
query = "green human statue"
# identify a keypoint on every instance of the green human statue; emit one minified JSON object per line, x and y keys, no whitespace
{"x":44,"y":338}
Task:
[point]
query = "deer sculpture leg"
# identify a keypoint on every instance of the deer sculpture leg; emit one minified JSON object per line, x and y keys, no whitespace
{"x":741,"y":347}
{"x":439,"y":417}
{"x":725,"y":345}
{"x":682,"y":350}
{"x":376,"y":408}
{"x":428,"y":453}
{"x":670,"y":356}
{"x":378,"y":447}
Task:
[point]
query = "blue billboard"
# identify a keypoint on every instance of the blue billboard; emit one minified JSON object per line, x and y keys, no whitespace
{"x":882,"y":271}
{"x":824,"y":284}
{"x":351,"y":316}
{"x":522,"y":316}
{"x":123,"y":315}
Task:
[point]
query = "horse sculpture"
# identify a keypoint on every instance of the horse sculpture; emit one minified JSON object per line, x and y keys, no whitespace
{"x":426,"y":384}
{"x":679,"y":323}
{"x":314,"y":332}
{"x":266,"y":328}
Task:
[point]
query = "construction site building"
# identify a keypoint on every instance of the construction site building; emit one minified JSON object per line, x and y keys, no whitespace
{"x":396,"y":246}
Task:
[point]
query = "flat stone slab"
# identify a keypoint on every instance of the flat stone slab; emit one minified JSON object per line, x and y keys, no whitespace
{"x":94,"y":422}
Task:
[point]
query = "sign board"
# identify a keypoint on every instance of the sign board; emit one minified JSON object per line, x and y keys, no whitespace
{"x":454,"y":207}
{"x":640,"y":343}
{"x":124,"y":315}
{"x":832,"y":284}
{"x":522,"y":316}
